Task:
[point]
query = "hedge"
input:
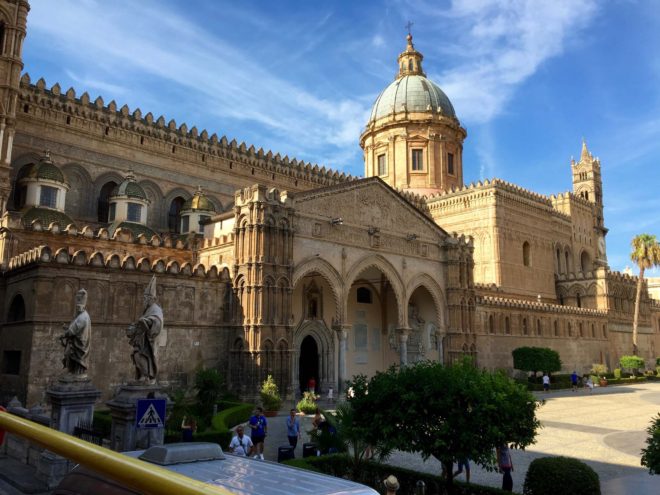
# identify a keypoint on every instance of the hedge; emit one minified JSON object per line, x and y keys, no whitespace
{"x":546,"y":474}
{"x":372,"y":474}
{"x":232,"y":416}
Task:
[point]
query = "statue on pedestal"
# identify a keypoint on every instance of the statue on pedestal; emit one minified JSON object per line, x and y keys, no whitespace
{"x":76,"y":338}
{"x":142,"y":336}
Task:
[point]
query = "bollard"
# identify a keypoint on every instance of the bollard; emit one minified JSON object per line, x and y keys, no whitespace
{"x":391,"y":484}
{"x":420,"y":488}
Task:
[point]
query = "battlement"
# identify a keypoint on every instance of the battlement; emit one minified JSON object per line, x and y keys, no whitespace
{"x":262,"y":194}
{"x":45,"y":255}
{"x":168,"y":133}
{"x":218,"y":241}
{"x":569,"y":196}
{"x":615,"y":276}
{"x":503,"y":302}
{"x":486,"y":184}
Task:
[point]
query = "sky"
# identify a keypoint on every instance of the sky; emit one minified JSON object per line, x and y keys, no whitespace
{"x":528,"y":79}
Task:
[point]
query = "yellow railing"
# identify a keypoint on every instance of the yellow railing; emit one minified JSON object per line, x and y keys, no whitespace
{"x":139,"y":475}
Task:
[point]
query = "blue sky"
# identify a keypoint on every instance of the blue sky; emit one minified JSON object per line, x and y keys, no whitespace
{"x":528,"y":79}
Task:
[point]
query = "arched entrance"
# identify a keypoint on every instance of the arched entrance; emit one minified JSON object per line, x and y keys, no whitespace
{"x":308,"y":363}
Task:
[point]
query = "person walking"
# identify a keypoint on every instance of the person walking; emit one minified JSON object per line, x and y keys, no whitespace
{"x":574,"y":380}
{"x":505,"y":464}
{"x":546,"y":382}
{"x":259,"y":427}
{"x":463,"y":464}
{"x":241,"y":445}
{"x":293,"y":429}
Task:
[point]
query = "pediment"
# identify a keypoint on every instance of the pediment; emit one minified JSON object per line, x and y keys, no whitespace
{"x":369,"y":203}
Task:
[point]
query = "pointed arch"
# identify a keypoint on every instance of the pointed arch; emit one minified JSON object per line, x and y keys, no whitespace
{"x":432,"y":286}
{"x":325,"y":270}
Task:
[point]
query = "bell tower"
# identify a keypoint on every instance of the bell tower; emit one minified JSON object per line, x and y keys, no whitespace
{"x":588,"y":184}
{"x":13,"y":21}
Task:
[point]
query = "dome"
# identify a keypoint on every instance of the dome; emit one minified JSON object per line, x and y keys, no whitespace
{"x":45,"y":169}
{"x":412,"y":93}
{"x":130,"y":188}
{"x":136,"y":228}
{"x":199,"y":202}
{"x":46,"y":216}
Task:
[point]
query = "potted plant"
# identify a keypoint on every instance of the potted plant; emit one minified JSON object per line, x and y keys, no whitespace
{"x":599,"y":370}
{"x":270,"y":397}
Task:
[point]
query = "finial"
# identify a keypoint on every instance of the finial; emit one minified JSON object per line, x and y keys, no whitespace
{"x":584,"y":155}
{"x":409,"y":24}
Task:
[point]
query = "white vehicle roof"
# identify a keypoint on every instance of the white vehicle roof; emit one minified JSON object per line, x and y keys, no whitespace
{"x":243,"y":475}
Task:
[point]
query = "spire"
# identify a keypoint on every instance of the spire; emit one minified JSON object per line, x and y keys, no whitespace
{"x":410,"y":61}
{"x":584,"y":155}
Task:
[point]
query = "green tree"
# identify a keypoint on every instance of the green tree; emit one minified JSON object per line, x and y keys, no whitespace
{"x":536,"y":359}
{"x":651,"y":454}
{"x":645,"y":254}
{"x":632,"y":363}
{"x":210,"y":387}
{"x":448,"y":412}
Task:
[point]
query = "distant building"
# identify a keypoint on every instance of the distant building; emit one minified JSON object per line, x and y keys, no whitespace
{"x":276,"y":266}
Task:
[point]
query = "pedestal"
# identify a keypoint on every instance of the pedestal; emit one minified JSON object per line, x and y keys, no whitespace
{"x":123,"y":408}
{"x":72,"y":399}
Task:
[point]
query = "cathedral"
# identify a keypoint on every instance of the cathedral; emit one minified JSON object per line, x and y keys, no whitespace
{"x":267,"y":265}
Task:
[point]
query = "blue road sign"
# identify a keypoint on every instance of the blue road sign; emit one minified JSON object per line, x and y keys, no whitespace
{"x":150,"y":413}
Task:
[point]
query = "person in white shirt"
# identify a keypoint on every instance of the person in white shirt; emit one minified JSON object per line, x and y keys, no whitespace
{"x":546,"y":382}
{"x":240,"y":444}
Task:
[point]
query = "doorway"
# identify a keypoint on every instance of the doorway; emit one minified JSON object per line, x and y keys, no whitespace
{"x":308,"y":364}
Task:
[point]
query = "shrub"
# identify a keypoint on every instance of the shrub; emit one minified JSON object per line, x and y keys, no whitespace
{"x":102,"y":422}
{"x":308,"y":403}
{"x":651,"y":454}
{"x":536,"y":359}
{"x":657,"y":370}
{"x":270,"y":396}
{"x":598,"y":369}
{"x":231,"y":417}
{"x":574,"y":477}
{"x":657,"y":361}
{"x":209,"y":384}
{"x":617,"y":373}
{"x":631,"y":362}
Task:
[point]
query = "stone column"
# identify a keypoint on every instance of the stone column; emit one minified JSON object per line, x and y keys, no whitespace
{"x":342,"y":333}
{"x":403,"y":345}
{"x":124,"y":435}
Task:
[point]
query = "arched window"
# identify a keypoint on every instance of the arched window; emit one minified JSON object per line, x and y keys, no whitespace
{"x":174,"y":216}
{"x":567,"y":266}
{"x":538,"y":327}
{"x":104,"y":201}
{"x":585,"y":262}
{"x":578,"y":300}
{"x":507,"y":326}
{"x":410,"y":65}
{"x":16,"y":309}
{"x":525,"y":330}
{"x":364,"y":295}
{"x":558,"y":261}
{"x":580,"y":332}
{"x":491,"y":324}
{"x":526,"y":253}
{"x":570,"y":330}
{"x":2,"y":37}
{"x":593,"y":331}
{"x":556,"y":325}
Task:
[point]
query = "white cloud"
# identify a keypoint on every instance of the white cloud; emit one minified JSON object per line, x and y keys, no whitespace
{"x":499,"y":44}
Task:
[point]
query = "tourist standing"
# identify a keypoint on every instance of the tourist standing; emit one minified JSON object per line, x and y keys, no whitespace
{"x":259,"y":427}
{"x":241,"y":445}
{"x":574,"y":380}
{"x":546,"y":382}
{"x":293,"y":429}
{"x":505,"y":464}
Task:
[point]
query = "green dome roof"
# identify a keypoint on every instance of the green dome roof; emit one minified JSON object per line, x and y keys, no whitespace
{"x":412,"y":93}
{"x":129,"y":187}
{"x":45,"y":169}
{"x":46,"y":216}
{"x":198,"y":202}
{"x":136,"y":228}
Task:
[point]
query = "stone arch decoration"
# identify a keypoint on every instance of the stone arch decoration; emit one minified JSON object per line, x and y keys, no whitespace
{"x":323,"y":336}
{"x":380,"y":263}
{"x":328,"y":272}
{"x":78,"y":203}
{"x":171,"y":195}
{"x":426,"y":281}
{"x":155,"y":197}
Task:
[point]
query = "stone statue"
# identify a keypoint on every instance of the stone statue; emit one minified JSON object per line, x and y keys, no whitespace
{"x":142,"y":336}
{"x":76,"y":338}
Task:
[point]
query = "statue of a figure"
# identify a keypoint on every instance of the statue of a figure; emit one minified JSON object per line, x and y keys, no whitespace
{"x":76,"y":338}
{"x":142,"y":336}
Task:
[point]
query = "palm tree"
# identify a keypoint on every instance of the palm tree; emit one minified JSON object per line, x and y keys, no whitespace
{"x":645,"y":254}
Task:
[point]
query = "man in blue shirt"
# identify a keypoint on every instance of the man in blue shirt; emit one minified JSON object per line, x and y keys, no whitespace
{"x":259,"y":427}
{"x":293,"y":429}
{"x":574,"y":380}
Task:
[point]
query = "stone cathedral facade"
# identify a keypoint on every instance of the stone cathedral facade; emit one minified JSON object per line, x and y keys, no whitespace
{"x":282,"y":267}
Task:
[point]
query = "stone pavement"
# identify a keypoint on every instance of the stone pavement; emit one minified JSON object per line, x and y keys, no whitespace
{"x":604,"y":428}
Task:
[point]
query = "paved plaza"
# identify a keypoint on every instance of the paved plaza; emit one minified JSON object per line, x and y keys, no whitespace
{"x":605,"y":429}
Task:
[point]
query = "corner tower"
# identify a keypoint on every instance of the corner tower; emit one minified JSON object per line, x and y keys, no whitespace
{"x":13,"y":21}
{"x":413,"y":139}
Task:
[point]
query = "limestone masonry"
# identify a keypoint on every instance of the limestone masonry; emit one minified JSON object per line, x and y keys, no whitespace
{"x":282,"y":267}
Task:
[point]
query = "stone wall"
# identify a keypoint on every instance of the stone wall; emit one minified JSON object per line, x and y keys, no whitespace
{"x":196,"y":308}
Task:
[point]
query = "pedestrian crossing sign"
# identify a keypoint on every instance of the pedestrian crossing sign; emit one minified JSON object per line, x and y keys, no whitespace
{"x":150,"y":413}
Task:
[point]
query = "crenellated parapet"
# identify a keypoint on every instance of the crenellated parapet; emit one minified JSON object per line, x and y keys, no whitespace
{"x":521,"y":304}
{"x":45,"y":254}
{"x":134,"y":128}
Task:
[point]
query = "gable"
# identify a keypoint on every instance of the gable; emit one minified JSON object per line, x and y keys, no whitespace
{"x":368,"y":203}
